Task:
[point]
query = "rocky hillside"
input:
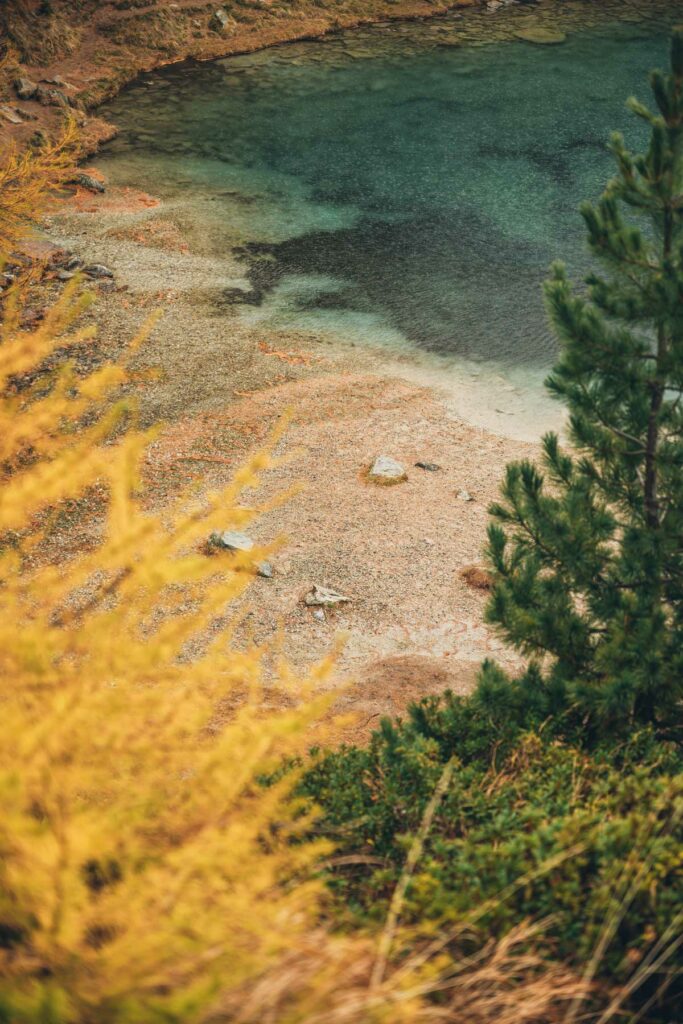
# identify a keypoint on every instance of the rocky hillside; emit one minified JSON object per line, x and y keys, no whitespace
{"x":73,"y":53}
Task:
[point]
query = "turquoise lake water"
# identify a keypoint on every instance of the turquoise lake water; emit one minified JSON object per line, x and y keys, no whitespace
{"x":390,"y":186}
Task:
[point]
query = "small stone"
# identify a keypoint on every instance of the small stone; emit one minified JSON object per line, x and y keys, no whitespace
{"x":323,"y":597}
{"x":65,"y":275}
{"x":74,"y":263}
{"x":386,"y":470}
{"x":319,"y":614}
{"x":233,"y":540}
{"x":464,"y":495}
{"x":25,"y":88}
{"x":98,"y":270}
{"x":87,"y":181}
{"x":430,"y":467}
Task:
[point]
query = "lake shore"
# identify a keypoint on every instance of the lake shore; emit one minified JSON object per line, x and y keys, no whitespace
{"x":90,"y":57}
{"x":414,"y":625}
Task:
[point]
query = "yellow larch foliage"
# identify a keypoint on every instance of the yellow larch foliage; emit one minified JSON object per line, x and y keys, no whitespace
{"x":143,"y":869}
{"x":28,"y":180}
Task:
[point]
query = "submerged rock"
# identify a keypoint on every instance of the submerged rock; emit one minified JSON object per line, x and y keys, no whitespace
{"x":386,"y":470}
{"x":233,"y":540}
{"x":542,"y":36}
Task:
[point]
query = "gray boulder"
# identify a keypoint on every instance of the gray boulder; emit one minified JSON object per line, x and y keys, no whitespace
{"x":25,"y":88}
{"x":51,"y":97}
{"x":219,"y":21}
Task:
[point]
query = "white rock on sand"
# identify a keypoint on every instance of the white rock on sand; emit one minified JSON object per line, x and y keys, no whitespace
{"x":386,"y":470}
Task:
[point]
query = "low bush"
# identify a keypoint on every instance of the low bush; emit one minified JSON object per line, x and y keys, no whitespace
{"x":529,"y":827}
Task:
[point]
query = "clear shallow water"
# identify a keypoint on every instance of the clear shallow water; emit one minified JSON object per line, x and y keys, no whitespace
{"x":391,"y":186}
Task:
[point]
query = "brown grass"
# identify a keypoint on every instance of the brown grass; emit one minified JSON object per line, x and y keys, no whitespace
{"x":328,"y":980}
{"x":38,"y":39}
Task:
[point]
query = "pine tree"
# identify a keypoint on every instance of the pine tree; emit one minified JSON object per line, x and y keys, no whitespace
{"x":587,"y":549}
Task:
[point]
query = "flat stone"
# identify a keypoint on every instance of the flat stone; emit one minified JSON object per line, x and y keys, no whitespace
{"x":17,"y":115}
{"x":429,"y":467}
{"x":541,"y":36}
{"x":323,"y":597}
{"x":464,"y":495}
{"x":233,"y":540}
{"x":98,"y":270}
{"x":58,"y":80}
{"x":10,"y":115}
{"x":386,"y":470}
